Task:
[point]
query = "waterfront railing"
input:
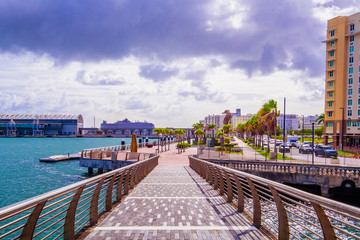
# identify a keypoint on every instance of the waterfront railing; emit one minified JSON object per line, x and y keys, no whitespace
{"x":65,"y":213}
{"x":282,"y":211}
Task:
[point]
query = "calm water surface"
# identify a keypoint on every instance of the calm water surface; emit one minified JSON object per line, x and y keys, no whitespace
{"x":22,"y":175}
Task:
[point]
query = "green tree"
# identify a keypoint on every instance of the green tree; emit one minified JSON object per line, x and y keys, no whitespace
{"x":199,"y":132}
{"x":320,"y":119}
{"x":320,"y":131}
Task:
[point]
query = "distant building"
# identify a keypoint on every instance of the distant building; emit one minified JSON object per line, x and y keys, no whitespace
{"x":41,"y":124}
{"x":126,"y":127}
{"x":291,"y":122}
{"x":214,"y":119}
{"x":237,"y":113}
{"x":307,"y":122}
{"x":342,"y":94}
{"x":236,"y":120}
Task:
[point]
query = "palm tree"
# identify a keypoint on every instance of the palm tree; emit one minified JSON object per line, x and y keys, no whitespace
{"x":320,"y":119}
{"x":158,"y":131}
{"x":199,"y":132}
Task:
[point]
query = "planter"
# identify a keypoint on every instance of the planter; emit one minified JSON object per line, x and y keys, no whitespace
{"x":273,"y":155}
{"x":334,"y":161}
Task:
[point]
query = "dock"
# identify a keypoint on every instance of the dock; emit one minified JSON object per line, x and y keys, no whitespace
{"x":59,"y":158}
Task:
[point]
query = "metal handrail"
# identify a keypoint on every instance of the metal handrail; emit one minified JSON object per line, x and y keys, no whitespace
{"x":318,"y":217}
{"x":56,"y":213}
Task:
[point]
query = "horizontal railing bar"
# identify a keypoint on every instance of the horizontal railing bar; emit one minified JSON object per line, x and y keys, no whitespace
{"x":57,"y":202}
{"x":51,"y":225}
{"x":296,"y":230}
{"x":81,"y":226}
{"x":82,"y":218}
{"x":15,"y":221}
{"x":15,"y":213}
{"x":49,"y":219}
{"x":51,"y":233}
{"x":87,"y":198}
{"x":345,"y":232}
{"x":80,"y":213}
{"x":343,"y":222}
{"x":12,"y":231}
{"x":53,"y":210}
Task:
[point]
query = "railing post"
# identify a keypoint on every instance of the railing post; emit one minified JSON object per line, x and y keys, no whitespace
{"x":256,"y":204}
{"x":326,"y":226}
{"x":69,"y":225}
{"x":94,"y":204}
{"x":119,"y":186}
{"x":127,"y":181}
{"x":240,"y":193}
{"x":221,"y":179}
{"x":284,"y":233}
{"x":132,"y":178}
{"x":109,"y":193}
{"x":29,"y":228}
{"x":229,"y":187}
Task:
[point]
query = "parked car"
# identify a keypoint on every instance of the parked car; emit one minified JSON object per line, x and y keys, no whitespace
{"x":298,"y":144}
{"x":286,"y":148}
{"x":305,"y":148}
{"x":278,"y":142}
{"x":326,"y":151}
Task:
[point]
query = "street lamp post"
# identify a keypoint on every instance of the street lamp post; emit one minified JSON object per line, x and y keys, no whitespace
{"x":312,"y":123}
{"x":342,"y":130}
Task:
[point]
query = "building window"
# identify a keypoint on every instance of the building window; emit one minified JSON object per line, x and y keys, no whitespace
{"x":331,"y":84}
{"x":351,"y":59}
{"x":349,"y":113}
{"x":330,"y":104}
{"x":354,"y":124}
{"x":332,"y":33}
{"x":331,"y":63}
{"x":351,"y":81}
{"x":351,"y":70}
{"x":332,"y":53}
{"x":330,"y":94}
{"x":359,"y":101}
{"x":331,"y":73}
{"x":329,"y":114}
{"x":351,"y":49}
{"x":352,"y":27}
{"x":359,"y":115}
{"x":359,"y":90}
{"x":352,"y":38}
{"x":350,"y":92}
{"x":332,"y":43}
{"x":348,"y":124}
{"x":329,"y":124}
{"x":350,"y":102}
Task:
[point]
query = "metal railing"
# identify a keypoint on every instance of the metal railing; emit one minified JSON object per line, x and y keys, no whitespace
{"x":117,"y":148}
{"x":283,"y":211}
{"x":65,"y":212}
{"x":309,"y":169}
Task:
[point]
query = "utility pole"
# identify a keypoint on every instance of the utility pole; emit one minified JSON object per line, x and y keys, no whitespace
{"x":284,"y":129}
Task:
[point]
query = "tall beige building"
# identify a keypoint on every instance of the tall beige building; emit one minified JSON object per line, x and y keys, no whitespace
{"x":342,"y":95}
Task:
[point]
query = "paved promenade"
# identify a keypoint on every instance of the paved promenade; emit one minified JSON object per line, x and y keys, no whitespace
{"x":174,"y":202}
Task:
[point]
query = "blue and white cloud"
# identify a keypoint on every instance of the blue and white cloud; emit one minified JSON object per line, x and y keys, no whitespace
{"x":168,"y":62}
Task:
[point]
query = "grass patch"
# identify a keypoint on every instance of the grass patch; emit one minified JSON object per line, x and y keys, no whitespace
{"x":265,"y":154}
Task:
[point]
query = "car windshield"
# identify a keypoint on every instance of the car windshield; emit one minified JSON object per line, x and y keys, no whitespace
{"x":328,"y":148}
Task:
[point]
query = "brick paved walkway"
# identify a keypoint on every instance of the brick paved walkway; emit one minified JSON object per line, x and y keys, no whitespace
{"x":174,"y":202}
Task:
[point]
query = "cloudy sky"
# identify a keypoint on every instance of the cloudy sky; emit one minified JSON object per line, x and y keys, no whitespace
{"x":170,"y":62}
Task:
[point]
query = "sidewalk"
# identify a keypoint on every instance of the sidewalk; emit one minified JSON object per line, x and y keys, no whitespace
{"x":174,"y":202}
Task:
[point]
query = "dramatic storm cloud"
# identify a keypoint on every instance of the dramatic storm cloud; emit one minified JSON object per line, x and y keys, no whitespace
{"x":191,"y":56}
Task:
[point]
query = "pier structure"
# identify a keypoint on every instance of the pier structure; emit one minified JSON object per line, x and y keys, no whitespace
{"x":179,"y":196}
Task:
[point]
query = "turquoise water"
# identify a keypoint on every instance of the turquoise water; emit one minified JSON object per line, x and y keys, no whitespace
{"x":22,"y":175}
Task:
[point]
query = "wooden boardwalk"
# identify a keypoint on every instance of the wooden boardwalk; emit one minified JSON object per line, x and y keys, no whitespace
{"x":174,"y":202}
